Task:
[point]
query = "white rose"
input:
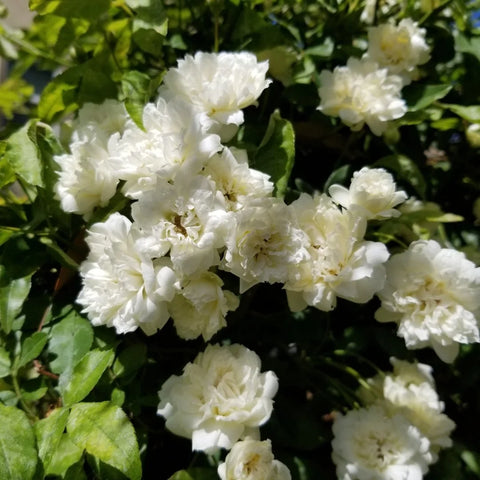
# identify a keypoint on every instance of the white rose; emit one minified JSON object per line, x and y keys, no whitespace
{"x":362,"y":92}
{"x":410,"y":389}
{"x":263,"y":242}
{"x":238,"y":183}
{"x":340,"y":262}
{"x":400,"y":48}
{"x":218,"y":84}
{"x":174,"y":140}
{"x":201,"y":306}
{"x":369,"y":444}
{"x":123,"y":287}
{"x":252,"y":460}
{"x":433,"y":294}
{"x":372,"y":194}
{"x":220,"y":398}
{"x":188,"y":219}
{"x":87,"y":177}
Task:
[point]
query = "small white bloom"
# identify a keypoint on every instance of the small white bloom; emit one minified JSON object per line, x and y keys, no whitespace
{"x":174,"y":140}
{"x":201,"y":306}
{"x":238,"y":183}
{"x":362,"y":92}
{"x":433,"y":294}
{"x":218,"y":84}
{"x":122,"y":287}
{"x":372,"y":194}
{"x":411,"y":390}
{"x":188,"y":219}
{"x":400,"y":48}
{"x":263,"y":242}
{"x":87,"y":178}
{"x":340,"y":262}
{"x":220,"y":398}
{"x":252,"y":460}
{"x":369,"y":444}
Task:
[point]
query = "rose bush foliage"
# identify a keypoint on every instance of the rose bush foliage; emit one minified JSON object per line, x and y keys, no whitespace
{"x":239,"y":240}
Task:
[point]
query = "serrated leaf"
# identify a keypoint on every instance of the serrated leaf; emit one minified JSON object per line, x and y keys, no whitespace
{"x":49,"y":432}
{"x":22,"y":155}
{"x":64,"y":457}
{"x":85,"y":376}
{"x":18,"y":455}
{"x":5,"y":364}
{"x":70,"y":340}
{"x":12,"y":297}
{"x":276,"y":154}
{"x":60,"y":95}
{"x":418,"y":96}
{"x":32,"y":347}
{"x":105,"y":432}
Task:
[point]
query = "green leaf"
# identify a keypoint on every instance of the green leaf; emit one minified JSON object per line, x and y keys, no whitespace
{"x":22,"y":155}
{"x":338,"y":176}
{"x":135,"y":94}
{"x":470,"y":113}
{"x":49,"y":432}
{"x":5,"y":364}
{"x":32,"y":347}
{"x":85,"y":376}
{"x":70,"y":340}
{"x":7,"y":174}
{"x":181,"y":475}
{"x":130,"y":360}
{"x":276,"y":153}
{"x":60,"y":95}
{"x":405,"y":170}
{"x":420,"y":96}
{"x":22,"y":256}
{"x":104,"y":431}
{"x":18,"y":455}
{"x":12,"y":297}
{"x":64,"y":457}
{"x":14,"y":93}
{"x":89,"y":9}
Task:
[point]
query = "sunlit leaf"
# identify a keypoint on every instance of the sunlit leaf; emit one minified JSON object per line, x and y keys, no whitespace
{"x":18,"y":455}
{"x":276,"y":153}
{"x":22,"y":155}
{"x":12,"y":297}
{"x":104,"y":431}
{"x":49,"y":432}
{"x":32,"y":347}
{"x":86,"y":374}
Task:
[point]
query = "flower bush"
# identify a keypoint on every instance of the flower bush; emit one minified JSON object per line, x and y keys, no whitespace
{"x":239,"y":241}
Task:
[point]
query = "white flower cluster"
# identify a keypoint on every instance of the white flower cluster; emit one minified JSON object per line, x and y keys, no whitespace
{"x":368,"y":90}
{"x":187,"y":190}
{"x":198,"y":207}
{"x":433,"y":294}
{"x":400,"y":431}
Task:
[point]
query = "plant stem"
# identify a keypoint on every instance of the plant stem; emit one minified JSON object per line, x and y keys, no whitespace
{"x":28,"y":410}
